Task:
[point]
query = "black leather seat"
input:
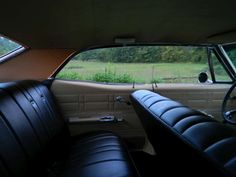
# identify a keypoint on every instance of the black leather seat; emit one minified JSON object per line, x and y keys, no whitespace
{"x":35,"y":141}
{"x":190,"y":138}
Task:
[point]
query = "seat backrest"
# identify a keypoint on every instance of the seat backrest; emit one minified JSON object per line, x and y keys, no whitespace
{"x":186,"y":135}
{"x":30,"y":127}
{"x":158,"y":113}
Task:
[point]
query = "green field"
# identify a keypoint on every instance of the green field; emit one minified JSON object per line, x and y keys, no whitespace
{"x":137,"y":72}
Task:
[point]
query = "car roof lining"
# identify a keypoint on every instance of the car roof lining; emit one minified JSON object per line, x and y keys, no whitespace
{"x":80,"y":24}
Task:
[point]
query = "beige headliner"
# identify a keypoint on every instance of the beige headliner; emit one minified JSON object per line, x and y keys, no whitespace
{"x":83,"y":23}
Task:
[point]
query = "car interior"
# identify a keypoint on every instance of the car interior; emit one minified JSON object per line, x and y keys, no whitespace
{"x":98,"y":88}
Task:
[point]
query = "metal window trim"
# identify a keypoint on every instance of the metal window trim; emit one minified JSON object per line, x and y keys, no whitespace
{"x":12,"y":54}
{"x":220,"y":55}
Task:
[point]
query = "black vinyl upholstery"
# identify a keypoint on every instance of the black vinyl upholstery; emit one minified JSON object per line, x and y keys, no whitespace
{"x":191,"y":138}
{"x":35,"y":141}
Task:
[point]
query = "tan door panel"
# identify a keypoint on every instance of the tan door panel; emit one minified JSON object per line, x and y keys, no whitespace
{"x":84,"y":104}
{"x":204,"y":97}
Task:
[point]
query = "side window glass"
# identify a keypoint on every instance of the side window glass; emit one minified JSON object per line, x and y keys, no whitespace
{"x":139,"y":64}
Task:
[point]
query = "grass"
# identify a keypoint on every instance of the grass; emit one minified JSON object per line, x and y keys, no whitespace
{"x":137,"y":72}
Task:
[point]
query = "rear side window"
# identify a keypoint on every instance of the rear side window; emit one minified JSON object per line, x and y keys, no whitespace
{"x":139,"y":64}
{"x":7,"y":47}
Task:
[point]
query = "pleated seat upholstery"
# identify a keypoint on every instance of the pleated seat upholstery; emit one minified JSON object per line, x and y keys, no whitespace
{"x":188,"y":137}
{"x":35,"y":141}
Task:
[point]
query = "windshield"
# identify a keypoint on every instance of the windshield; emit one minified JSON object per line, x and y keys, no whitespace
{"x":231,"y":52}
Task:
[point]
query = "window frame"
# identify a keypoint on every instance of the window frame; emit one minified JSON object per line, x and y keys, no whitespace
{"x":222,"y":60}
{"x":215,"y":48}
{"x":11,"y":54}
{"x":224,"y":47}
{"x":54,"y":74}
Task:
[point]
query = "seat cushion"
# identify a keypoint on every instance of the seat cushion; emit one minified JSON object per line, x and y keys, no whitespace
{"x":98,"y":154}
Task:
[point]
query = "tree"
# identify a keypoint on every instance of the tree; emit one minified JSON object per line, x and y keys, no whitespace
{"x":146,"y":54}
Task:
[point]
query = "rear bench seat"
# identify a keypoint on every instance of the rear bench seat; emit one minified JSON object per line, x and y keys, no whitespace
{"x":35,"y":141}
{"x":191,"y":138}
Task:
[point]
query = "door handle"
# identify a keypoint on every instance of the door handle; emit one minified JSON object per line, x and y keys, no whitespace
{"x":121,"y":99}
{"x":107,"y":119}
{"x":111,"y":119}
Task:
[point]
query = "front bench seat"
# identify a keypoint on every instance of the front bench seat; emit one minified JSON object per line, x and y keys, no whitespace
{"x":35,"y":141}
{"x":187,"y":137}
{"x":157,"y":113}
